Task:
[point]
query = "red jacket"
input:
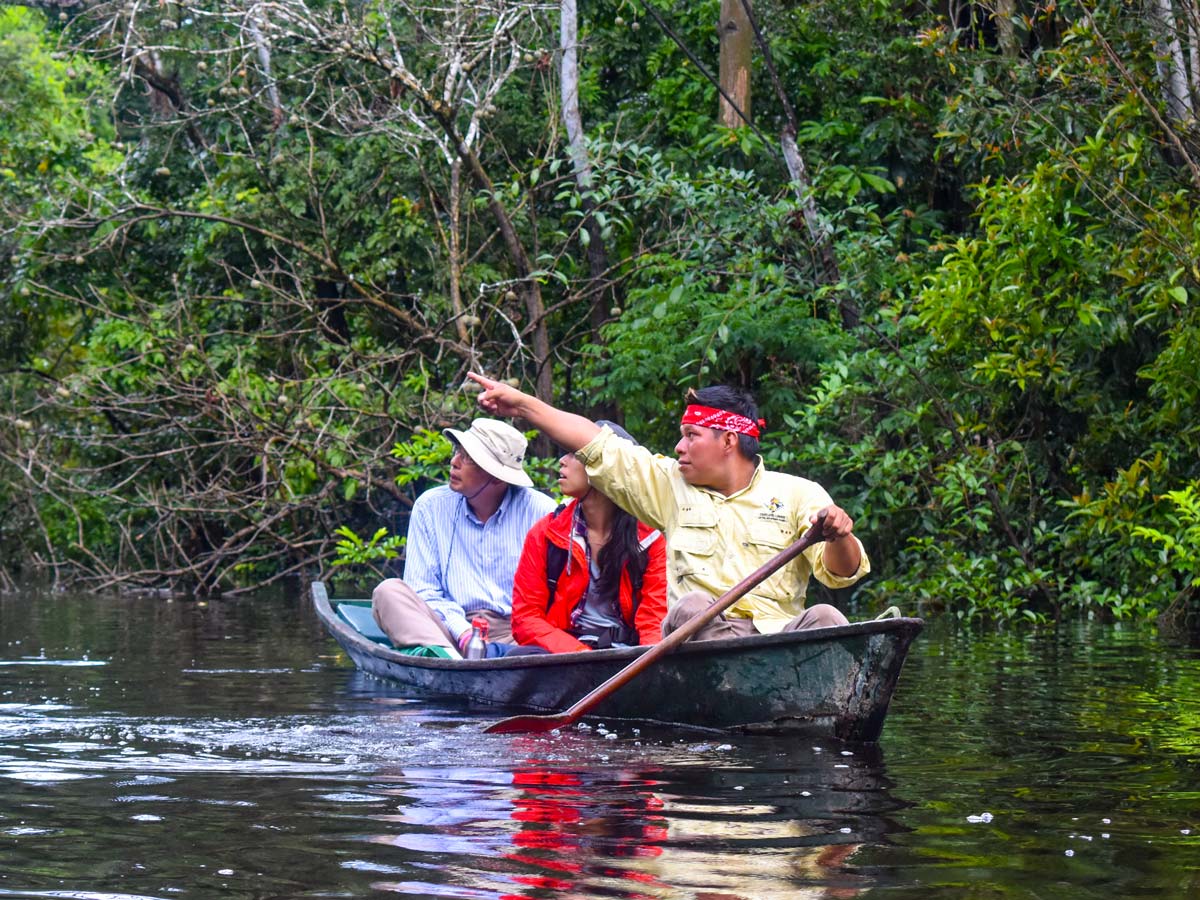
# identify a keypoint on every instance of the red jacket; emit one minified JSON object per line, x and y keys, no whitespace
{"x":533,"y":624}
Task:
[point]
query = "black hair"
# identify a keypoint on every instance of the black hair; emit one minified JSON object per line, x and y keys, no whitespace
{"x":624,"y":547}
{"x":623,"y":550}
{"x":734,"y":400}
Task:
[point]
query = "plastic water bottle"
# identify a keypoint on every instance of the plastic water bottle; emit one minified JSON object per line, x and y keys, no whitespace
{"x":477,"y":644}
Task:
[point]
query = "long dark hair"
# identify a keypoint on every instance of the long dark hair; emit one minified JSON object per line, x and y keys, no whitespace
{"x":624,"y":547}
{"x":623,"y":550}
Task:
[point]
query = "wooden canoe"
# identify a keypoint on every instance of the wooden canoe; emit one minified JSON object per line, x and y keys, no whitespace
{"x":833,"y":682}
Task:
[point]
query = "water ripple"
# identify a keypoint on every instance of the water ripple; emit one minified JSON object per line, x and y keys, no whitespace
{"x":63,"y":663}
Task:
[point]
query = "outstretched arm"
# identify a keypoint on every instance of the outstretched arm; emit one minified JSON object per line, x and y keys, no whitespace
{"x":569,"y":431}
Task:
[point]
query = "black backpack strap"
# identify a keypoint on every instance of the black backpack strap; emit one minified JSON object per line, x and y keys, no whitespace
{"x":556,"y":561}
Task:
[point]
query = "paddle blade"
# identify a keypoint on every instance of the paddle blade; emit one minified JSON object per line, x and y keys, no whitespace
{"x":529,"y":724}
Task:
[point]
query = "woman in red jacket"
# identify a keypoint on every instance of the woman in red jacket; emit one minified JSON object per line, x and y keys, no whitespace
{"x":590,"y":575}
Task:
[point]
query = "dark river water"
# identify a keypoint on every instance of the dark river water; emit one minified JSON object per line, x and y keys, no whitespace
{"x":153,"y":749}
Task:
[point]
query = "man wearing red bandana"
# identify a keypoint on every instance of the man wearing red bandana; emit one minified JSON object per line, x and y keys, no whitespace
{"x":724,"y":514}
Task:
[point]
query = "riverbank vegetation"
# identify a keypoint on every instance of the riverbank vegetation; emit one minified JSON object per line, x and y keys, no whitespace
{"x":250,"y":252}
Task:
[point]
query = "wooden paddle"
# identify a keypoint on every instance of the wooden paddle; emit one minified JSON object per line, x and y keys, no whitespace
{"x":531,"y":724}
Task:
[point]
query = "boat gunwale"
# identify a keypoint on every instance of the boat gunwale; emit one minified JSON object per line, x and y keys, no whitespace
{"x":325,"y":608}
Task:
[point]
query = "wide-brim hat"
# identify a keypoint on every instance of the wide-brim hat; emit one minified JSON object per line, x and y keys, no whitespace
{"x":496,"y":447}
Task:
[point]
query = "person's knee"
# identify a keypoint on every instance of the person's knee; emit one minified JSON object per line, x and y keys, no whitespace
{"x":693,"y":602}
{"x":384,"y":588}
{"x":687,"y":606}
{"x":389,"y":600}
{"x":823,"y":615}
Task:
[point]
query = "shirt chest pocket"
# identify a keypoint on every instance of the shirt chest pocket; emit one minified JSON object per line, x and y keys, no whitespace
{"x":764,"y":541}
{"x":693,"y":542}
{"x":767,"y":537}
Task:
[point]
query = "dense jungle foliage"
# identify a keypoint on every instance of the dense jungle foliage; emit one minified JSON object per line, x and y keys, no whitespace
{"x":250,"y":252}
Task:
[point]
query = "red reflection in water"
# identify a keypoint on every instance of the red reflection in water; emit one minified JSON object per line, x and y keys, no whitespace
{"x":574,"y":827}
{"x":568,"y":828}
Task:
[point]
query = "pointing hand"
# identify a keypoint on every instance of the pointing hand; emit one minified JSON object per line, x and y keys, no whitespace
{"x":498,"y":398}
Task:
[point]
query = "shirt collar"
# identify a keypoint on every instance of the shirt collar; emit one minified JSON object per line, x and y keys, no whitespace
{"x":506,"y":501}
{"x":759,"y":468}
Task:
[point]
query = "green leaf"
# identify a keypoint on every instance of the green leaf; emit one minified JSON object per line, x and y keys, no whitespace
{"x":879,"y":184}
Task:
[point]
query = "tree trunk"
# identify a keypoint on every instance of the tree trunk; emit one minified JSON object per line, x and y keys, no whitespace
{"x":454,"y":248}
{"x":597,"y":256}
{"x":1005,"y":34}
{"x":1193,"y":21}
{"x":812,"y":219}
{"x":1179,"y":149}
{"x":827,"y":261}
{"x":737,"y":47}
{"x":264,"y":62}
{"x":1172,"y":70}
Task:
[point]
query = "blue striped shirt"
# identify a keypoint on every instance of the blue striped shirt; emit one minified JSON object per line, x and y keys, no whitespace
{"x":459,"y":565}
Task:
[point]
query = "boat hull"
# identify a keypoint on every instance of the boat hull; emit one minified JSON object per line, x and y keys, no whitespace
{"x":834,"y":682}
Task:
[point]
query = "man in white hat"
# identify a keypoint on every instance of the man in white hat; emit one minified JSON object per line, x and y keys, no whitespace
{"x":464,"y":540}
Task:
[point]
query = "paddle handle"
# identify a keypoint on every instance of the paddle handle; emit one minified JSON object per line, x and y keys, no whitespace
{"x":814,"y":535}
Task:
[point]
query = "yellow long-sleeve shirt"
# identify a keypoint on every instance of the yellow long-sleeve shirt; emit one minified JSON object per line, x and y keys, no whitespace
{"x":714,"y":541}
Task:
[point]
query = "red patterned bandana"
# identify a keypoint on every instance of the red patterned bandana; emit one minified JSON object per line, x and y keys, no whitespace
{"x":707,"y":417}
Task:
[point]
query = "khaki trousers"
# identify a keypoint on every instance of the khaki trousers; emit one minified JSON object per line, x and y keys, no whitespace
{"x":821,"y":615}
{"x":408,"y":620}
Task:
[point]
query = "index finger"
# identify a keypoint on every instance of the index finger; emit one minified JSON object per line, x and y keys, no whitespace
{"x":485,"y":382}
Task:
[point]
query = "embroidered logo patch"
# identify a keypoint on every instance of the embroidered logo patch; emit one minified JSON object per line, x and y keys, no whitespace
{"x":771,"y":511}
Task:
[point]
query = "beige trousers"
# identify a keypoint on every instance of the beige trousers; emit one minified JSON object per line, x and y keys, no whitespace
{"x":821,"y":615}
{"x":408,"y":620}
